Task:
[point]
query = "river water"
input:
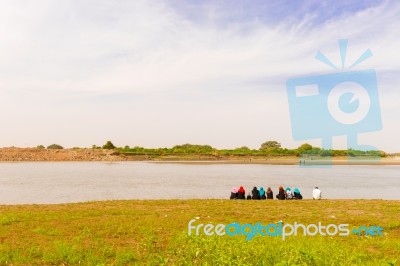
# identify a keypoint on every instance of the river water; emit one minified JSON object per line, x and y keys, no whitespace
{"x":63,"y":182}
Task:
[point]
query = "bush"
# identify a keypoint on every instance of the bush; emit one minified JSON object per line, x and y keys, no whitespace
{"x":40,"y":147}
{"x":109,"y":145}
{"x":55,"y":147}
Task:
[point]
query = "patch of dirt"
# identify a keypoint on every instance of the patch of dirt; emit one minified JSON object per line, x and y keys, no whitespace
{"x":35,"y":154}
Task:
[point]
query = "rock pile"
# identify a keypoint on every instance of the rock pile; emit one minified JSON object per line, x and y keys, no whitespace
{"x":35,"y":154}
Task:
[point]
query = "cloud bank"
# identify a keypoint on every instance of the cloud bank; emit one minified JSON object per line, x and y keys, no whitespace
{"x":158,"y":74}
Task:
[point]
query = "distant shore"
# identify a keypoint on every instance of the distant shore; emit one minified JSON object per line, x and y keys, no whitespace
{"x":277,"y":161}
{"x":86,"y":155}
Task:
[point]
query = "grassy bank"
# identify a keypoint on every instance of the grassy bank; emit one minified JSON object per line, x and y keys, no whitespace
{"x":155,"y":232}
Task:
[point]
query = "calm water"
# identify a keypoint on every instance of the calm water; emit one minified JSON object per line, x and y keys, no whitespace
{"x":62,"y":182}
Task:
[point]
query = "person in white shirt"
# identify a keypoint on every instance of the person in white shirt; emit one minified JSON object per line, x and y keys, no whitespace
{"x":316,"y":194}
{"x":289,"y":194}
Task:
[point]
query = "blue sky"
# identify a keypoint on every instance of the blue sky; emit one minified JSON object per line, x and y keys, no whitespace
{"x":269,"y":12}
{"x":160,"y":73}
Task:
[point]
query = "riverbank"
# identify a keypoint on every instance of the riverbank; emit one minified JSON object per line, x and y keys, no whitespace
{"x":40,"y":155}
{"x":86,"y":154}
{"x":155,"y":232}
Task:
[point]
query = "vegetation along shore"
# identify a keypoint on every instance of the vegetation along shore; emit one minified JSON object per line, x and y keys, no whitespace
{"x":270,"y":152}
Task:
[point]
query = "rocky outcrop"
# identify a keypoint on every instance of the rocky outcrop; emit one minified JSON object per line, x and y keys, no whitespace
{"x":34,"y":154}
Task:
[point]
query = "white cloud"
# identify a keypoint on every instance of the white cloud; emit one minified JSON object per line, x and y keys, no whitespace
{"x":73,"y":52}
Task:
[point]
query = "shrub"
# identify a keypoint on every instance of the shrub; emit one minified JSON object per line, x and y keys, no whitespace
{"x":55,"y":147}
{"x":109,"y":145}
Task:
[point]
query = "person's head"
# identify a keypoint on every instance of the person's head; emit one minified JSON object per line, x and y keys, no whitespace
{"x":316,"y":188}
{"x":296,"y":190}
{"x":261,"y":189}
{"x":280,"y":188}
{"x":234,"y":190}
{"x":254,"y":188}
{"x":288,"y":189}
{"x":268,"y":189}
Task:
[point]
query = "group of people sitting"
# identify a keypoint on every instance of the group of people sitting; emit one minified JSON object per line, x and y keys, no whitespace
{"x":288,"y":194}
{"x":283,"y":194}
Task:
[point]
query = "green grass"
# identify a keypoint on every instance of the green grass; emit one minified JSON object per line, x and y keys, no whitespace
{"x":155,"y":232}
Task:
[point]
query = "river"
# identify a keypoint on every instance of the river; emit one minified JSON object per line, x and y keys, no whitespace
{"x":64,"y":182}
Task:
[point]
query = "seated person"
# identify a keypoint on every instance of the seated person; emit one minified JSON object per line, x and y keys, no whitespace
{"x":289,"y":193}
{"x":270,"y":194}
{"x":249,"y":196}
{"x":317,"y":194}
{"x":255,"y":194}
{"x":241,"y":193}
{"x":281,"y":194}
{"x":262,"y":193}
{"x":234,"y":193}
{"x":297,"y":194}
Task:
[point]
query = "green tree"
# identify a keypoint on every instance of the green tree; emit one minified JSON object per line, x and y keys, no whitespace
{"x":241,"y":150}
{"x":271,"y":144}
{"x":109,"y":145}
{"x":326,"y":153}
{"x":55,"y":147}
{"x":304,"y":147}
{"x":192,"y":148}
{"x":244,"y":148}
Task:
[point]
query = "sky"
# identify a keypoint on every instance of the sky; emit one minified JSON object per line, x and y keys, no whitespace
{"x":161,"y":73}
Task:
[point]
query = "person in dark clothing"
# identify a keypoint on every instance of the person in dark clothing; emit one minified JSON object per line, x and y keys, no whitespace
{"x":255,"y":194}
{"x":234,"y":193}
{"x":249,"y":197}
{"x":262,"y":193}
{"x":270,"y":194}
{"x":241,"y":193}
{"x":281,"y":194}
{"x":297,"y":194}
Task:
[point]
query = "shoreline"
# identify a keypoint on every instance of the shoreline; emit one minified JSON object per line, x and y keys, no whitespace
{"x":143,"y":201}
{"x":283,"y":162}
{"x":103,"y":155}
{"x":315,"y":163}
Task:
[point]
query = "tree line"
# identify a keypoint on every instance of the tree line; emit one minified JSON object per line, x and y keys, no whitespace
{"x":268,"y":148}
